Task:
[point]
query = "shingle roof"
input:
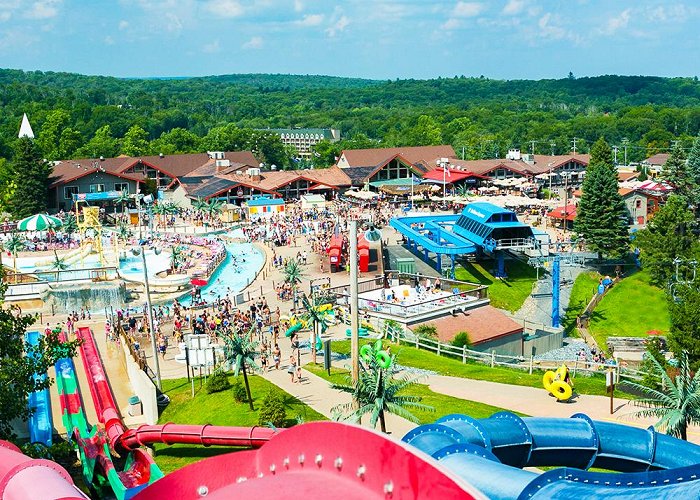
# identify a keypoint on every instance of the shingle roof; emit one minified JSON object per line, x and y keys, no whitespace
{"x":482,"y":324}
{"x":69,"y":170}
{"x":657,"y":159}
{"x":358,"y":174}
{"x":413,"y":154}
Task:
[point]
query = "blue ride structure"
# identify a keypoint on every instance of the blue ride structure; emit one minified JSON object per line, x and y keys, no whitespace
{"x":40,"y":422}
{"x":491,"y":453}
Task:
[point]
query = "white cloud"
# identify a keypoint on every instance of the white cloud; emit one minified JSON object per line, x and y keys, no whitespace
{"x":109,"y":40}
{"x":173,"y":23}
{"x":298,"y":6}
{"x":514,"y":7}
{"x":211,"y":48}
{"x":254,"y":43}
{"x":123,"y":24}
{"x":311,"y":20}
{"x":670,"y":13}
{"x":43,"y":9}
{"x":338,"y":26}
{"x":225,"y":8}
{"x":451,"y":24}
{"x":467,"y":9}
{"x":617,"y":23}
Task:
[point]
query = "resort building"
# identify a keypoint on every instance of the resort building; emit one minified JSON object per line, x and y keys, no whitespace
{"x":302,"y":139}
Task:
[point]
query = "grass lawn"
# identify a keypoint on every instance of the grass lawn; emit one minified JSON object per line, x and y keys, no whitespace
{"x":444,"y":405}
{"x":630,"y":309}
{"x":217,"y":409}
{"x":585,"y":286}
{"x":509,"y":293}
{"x":443,"y":365}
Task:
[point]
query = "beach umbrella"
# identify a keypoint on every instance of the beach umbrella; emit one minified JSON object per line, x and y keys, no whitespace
{"x":39,"y":222}
{"x":198,"y":282}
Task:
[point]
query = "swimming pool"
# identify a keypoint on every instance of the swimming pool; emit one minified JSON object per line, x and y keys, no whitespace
{"x":131,"y":268}
{"x":242,"y":263}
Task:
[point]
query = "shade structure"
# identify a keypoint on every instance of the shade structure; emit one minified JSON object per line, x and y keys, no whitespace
{"x":198,"y":282}
{"x":39,"y":222}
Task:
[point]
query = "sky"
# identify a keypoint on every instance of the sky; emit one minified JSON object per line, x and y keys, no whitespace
{"x":502,"y":39}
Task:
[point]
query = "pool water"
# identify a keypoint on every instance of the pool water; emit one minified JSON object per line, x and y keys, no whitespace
{"x":242,"y":263}
{"x":132,"y":267}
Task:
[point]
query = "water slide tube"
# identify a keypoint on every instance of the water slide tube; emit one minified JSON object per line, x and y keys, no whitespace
{"x":40,"y":423}
{"x":490,"y":454}
{"x":139,"y":470}
{"x":22,"y":477}
{"x":69,"y":258}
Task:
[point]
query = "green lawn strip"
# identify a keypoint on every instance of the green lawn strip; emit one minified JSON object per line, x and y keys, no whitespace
{"x":444,"y":405}
{"x":585,"y":286}
{"x":443,"y":365}
{"x":508,"y":293}
{"x":217,"y":409}
{"x":631,"y":308}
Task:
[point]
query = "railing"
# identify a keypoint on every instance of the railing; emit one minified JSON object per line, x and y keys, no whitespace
{"x":398,"y":335}
{"x":516,"y":243}
{"x":91,"y":274}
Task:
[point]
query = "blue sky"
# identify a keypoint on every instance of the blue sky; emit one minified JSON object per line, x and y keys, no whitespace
{"x":508,"y":39}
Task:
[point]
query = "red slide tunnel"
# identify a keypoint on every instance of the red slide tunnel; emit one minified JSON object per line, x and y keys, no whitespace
{"x":206,"y":435}
{"x":363,"y":253}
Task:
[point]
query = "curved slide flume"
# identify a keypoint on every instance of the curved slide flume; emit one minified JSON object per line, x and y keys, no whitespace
{"x":490,"y":454}
{"x":40,"y":422}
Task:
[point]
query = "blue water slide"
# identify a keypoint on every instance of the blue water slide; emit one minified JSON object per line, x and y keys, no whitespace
{"x":490,"y":453}
{"x":40,"y":423}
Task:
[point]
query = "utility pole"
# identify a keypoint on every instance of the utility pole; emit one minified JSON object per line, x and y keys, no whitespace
{"x":615,"y":153}
{"x":532,"y":147}
{"x":354,"y":305}
{"x":574,"y":143}
{"x":552,"y":144}
{"x":625,"y":142}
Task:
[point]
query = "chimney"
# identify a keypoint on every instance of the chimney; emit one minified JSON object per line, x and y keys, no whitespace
{"x":222,"y":165}
{"x":254,"y":174}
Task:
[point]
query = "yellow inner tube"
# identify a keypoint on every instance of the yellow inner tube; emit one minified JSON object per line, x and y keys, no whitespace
{"x":547,"y":380}
{"x":561,"y":390}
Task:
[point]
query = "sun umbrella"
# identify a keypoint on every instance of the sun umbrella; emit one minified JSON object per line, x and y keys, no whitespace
{"x":198,"y":282}
{"x":39,"y":222}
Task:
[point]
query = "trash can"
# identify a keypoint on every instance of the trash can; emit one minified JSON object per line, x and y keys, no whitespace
{"x":135,"y":406}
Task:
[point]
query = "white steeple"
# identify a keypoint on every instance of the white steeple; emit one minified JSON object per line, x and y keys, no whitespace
{"x":25,"y":130}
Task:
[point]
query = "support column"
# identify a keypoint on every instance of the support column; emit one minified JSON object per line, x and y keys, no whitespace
{"x":500,"y":264}
{"x":555,"y":293}
{"x":425,"y":254}
{"x":438,"y":260}
{"x":452,"y":259}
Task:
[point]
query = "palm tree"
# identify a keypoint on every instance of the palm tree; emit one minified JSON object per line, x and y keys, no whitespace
{"x":239,"y":351}
{"x":171,"y":208}
{"x":293,"y":273}
{"x":200,"y":205}
{"x":377,"y":393}
{"x":58,"y":264}
{"x":160,"y":209}
{"x":70,"y":224}
{"x":315,"y":317}
{"x":677,"y":404}
{"x":122,"y":200}
{"x":214,"y":207}
{"x":176,"y":253}
{"x":14,"y":244}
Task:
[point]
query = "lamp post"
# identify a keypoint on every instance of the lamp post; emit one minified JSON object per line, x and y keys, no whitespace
{"x":142,"y":251}
{"x":354,"y":305}
{"x":444,"y":163}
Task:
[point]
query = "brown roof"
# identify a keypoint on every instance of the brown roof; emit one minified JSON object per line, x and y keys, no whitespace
{"x":627,"y":176}
{"x":658,"y":159}
{"x":179,"y":165}
{"x":482,"y":324}
{"x":412,"y":154}
{"x":70,"y":170}
{"x":541,"y":165}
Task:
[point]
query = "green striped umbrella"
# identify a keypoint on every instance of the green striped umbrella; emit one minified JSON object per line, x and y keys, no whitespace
{"x":39,"y":222}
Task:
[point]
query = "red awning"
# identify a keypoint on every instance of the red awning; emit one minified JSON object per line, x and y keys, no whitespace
{"x":455,"y":175}
{"x":198,"y":282}
{"x":568,"y":212}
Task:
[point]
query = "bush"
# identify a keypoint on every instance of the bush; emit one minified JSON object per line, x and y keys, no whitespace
{"x":273,"y":410}
{"x":426,"y":331}
{"x":217,"y":382}
{"x":239,"y":393}
{"x":461,"y":340}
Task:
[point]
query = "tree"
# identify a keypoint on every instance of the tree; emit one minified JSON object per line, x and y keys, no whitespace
{"x":293,"y":273}
{"x":676,"y":172}
{"x":135,"y":141}
{"x":426,"y":132}
{"x":684,"y":336}
{"x":668,"y":236}
{"x":601,"y":216}
{"x":58,"y":264}
{"x":14,"y":244}
{"x":677,"y":405}
{"x":49,"y":137}
{"x":693,"y":170}
{"x":101,"y":144}
{"x":30,"y":175}
{"x":239,"y":351}
{"x":377,"y":393}
{"x":20,"y":361}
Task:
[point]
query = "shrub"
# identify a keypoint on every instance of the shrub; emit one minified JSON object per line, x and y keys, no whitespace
{"x":239,"y":393}
{"x":426,"y":331}
{"x":461,"y":340}
{"x":217,"y":382}
{"x":273,"y":410}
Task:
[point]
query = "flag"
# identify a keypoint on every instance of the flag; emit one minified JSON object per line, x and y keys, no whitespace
{"x":447,"y":171}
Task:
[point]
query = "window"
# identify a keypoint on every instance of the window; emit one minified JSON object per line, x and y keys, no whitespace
{"x":638,"y":203}
{"x":97,"y":188}
{"x":69,"y":191}
{"x":122,"y":186}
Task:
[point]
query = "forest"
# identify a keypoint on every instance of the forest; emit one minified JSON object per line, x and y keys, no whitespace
{"x":77,"y":116}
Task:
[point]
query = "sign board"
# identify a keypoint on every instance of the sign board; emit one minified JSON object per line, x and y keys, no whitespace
{"x":105,"y":195}
{"x":201,"y":351}
{"x":609,"y":378}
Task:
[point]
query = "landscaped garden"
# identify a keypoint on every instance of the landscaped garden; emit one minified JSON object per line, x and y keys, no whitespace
{"x":508,"y":293}
{"x":631,"y":308}
{"x":584,"y":287}
{"x":219,"y":408}
{"x":443,"y":365}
